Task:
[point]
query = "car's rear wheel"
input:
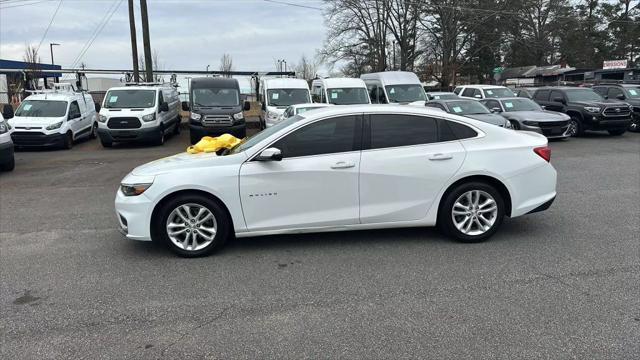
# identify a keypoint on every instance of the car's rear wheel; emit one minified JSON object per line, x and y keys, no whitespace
{"x":192,"y":225}
{"x":617,"y":132}
{"x":94,"y":131}
{"x":471,"y":212}
{"x":161,"y":137}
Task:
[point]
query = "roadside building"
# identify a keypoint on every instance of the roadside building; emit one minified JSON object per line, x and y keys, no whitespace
{"x":18,"y":80}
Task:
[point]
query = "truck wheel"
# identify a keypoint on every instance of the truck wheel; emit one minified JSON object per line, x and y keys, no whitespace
{"x":575,"y":127}
{"x":617,"y":132}
{"x":94,"y":131}
{"x":68,"y":141}
{"x":161,"y":137}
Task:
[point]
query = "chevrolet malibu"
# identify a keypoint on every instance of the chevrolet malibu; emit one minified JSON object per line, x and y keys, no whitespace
{"x":342,"y":168}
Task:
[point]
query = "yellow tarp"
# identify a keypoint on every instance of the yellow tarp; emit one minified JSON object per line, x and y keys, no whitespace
{"x":212,"y":144}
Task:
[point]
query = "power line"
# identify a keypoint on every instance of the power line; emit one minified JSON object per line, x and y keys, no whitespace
{"x":49,"y":26}
{"x":22,"y":4}
{"x":292,"y":4}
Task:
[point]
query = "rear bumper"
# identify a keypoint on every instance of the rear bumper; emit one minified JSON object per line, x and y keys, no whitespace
{"x":543,"y":207}
{"x":37,"y":139}
{"x":129,"y":135}
{"x":532,"y":189}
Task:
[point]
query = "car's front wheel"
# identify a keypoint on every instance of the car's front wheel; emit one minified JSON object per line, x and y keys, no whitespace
{"x":471,"y":212}
{"x":192,"y":225}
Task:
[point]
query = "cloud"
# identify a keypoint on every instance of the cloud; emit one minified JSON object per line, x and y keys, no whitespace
{"x":188,"y":34}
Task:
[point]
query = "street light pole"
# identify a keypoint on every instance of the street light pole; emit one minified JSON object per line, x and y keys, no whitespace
{"x":207,"y":71}
{"x":51,"y":45}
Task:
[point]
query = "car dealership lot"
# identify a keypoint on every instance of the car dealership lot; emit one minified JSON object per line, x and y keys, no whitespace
{"x":561,"y":283}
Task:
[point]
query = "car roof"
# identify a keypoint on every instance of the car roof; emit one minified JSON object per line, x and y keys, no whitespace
{"x":341,"y":82}
{"x":393,"y":77}
{"x":135,"y":87}
{"x":506,"y":98}
{"x":480,"y":86}
{"x":441,"y":93}
{"x":285,"y":83}
{"x":318,"y":105}
{"x":56,"y":96}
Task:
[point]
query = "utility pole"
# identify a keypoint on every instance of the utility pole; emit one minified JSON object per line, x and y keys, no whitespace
{"x":134,"y":43}
{"x":51,"y":45}
{"x":148,"y":64}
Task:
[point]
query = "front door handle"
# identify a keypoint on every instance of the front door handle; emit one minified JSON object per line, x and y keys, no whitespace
{"x":439,"y":156}
{"x":342,"y":165}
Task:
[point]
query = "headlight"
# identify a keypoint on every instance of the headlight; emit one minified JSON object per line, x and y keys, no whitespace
{"x":195,"y":116}
{"x":149,"y":117}
{"x":592,"y":109}
{"x":133,"y":189}
{"x":272,"y":115}
{"x":238,"y":116}
{"x":54,"y":126}
{"x":4,"y":127}
{"x":530,"y":123}
{"x":102,"y":118}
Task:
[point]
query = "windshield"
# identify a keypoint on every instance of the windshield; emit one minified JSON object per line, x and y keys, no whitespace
{"x":634,"y":92}
{"x":42,"y":108}
{"x":286,"y":97}
{"x":405,"y":93}
{"x":498,"y":93}
{"x":301,"y":110}
{"x":215,"y":97}
{"x":125,"y":99}
{"x":348,"y":96}
{"x":249,"y":142}
{"x":583,"y":95}
{"x":467,"y":107}
{"x":520,"y":105}
{"x":443,"y":96}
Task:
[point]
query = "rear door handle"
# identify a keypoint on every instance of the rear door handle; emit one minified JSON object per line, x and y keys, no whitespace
{"x":342,"y":165}
{"x":439,"y":156}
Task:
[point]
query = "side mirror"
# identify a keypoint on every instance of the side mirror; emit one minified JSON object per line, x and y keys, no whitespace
{"x":185,"y":106}
{"x":7,"y":111}
{"x":163,"y":107}
{"x":247,"y":106}
{"x":270,"y":154}
{"x":559,"y":100}
{"x":621,"y":97}
{"x":496,"y":110}
{"x":98,"y":107}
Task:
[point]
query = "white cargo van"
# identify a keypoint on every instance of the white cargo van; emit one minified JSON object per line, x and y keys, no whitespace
{"x":7,"y":161}
{"x":339,"y":91}
{"x":55,"y":117}
{"x":401,"y":87}
{"x":139,"y":112}
{"x":277,"y":94}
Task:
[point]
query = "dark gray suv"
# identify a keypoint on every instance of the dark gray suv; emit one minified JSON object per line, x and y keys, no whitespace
{"x":629,"y":93}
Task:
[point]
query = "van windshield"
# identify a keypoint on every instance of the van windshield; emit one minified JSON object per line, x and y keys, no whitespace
{"x":286,"y":97}
{"x":405,"y":93}
{"x":215,"y":97}
{"x":130,"y":98}
{"x":348,"y":96}
{"x":42,"y":108}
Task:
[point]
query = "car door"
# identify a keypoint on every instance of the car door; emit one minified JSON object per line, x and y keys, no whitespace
{"x":316,"y":182}
{"x":553,"y":104}
{"x":75,"y":118}
{"x":403,"y":167}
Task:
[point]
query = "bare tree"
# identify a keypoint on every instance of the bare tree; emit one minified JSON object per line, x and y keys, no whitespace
{"x":157,"y":66}
{"x":403,"y":26}
{"x":32,"y":60}
{"x":307,"y":69}
{"x":226,"y":64}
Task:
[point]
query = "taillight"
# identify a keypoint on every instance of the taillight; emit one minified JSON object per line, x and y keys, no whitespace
{"x":544,"y":152}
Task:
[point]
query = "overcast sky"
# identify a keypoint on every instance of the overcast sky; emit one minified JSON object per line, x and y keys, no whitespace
{"x":188,"y":34}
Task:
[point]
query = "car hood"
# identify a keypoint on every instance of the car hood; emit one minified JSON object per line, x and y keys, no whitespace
{"x":634,"y":102}
{"x":536,"y":115}
{"x":33,"y":121}
{"x":602,"y":103}
{"x":488,"y":118}
{"x":185,"y":161}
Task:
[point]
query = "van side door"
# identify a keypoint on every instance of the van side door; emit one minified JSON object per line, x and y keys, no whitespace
{"x":74,"y":118}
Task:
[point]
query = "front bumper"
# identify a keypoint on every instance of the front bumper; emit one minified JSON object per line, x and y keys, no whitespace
{"x":6,"y":152}
{"x":199,"y":131}
{"x":129,"y":135}
{"x":37,"y":139}
{"x":600,"y":122}
{"x":552,"y":130}
{"x":134,"y":216}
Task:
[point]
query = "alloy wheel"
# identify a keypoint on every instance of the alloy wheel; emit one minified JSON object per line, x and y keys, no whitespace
{"x":474,"y":212}
{"x":191,"y":227}
{"x":572,"y":130}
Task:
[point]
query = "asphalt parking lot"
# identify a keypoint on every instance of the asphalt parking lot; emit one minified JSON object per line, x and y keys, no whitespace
{"x":559,"y":284}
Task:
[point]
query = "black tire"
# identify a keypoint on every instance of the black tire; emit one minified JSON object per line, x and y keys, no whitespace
{"x":106,"y":143}
{"x":68,"y":141}
{"x":578,"y":128}
{"x":223,"y":230}
{"x":161,"y":137}
{"x":635,"y":124}
{"x":446,"y":217}
{"x":241,"y":134}
{"x":9,"y":166}
{"x":617,"y":132}
{"x":515,"y":125}
{"x":176,"y":130}
{"x":94,"y":131}
{"x":193,"y":138}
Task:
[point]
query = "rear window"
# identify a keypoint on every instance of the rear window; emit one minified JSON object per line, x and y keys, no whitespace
{"x":402,"y":130}
{"x":451,"y":130}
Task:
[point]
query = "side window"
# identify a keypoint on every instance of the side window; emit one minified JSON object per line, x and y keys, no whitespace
{"x":436,"y":105}
{"x":492,"y":104}
{"x":555,"y":94}
{"x":451,"y":130}
{"x":541,"y":95}
{"x":614,"y":93}
{"x":328,"y":136}
{"x":457,"y":90}
{"x":602,"y":91}
{"x":468,"y":92}
{"x":402,"y":130}
{"x":74,"y":110}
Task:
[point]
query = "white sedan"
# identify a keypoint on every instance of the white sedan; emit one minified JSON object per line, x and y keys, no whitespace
{"x":342,"y":168}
